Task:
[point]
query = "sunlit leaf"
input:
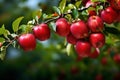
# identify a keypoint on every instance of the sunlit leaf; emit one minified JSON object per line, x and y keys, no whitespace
{"x":68,"y":49}
{"x":77,"y":4}
{"x":37,"y":13}
{"x":2,"y":39}
{"x":3,"y":52}
{"x":53,"y":26}
{"x":56,"y":9}
{"x":62,"y":5}
{"x":25,"y":28}
{"x":2,"y":30}
{"x":15,"y":24}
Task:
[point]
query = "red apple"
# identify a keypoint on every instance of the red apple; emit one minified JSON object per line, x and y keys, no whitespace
{"x":95,"y":23}
{"x":116,"y":58}
{"x":79,"y":29}
{"x":109,"y":15}
{"x":95,"y":53}
{"x":83,"y":48}
{"x":104,"y":61}
{"x":97,"y":40}
{"x":74,"y":70}
{"x":115,"y":4}
{"x":42,"y":32}
{"x":99,"y":77}
{"x":79,"y":58}
{"x":71,"y":39}
{"x":118,"y":18}
{"x":117,"y":76}
{"x":27,"y":42}
{"x":62,"y":27}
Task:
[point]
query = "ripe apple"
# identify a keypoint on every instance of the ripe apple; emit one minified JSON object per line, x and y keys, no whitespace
{"x":99,"y":77}
{"x":95,"y":23}
{"x":83,"y":48}
{"x":42,"y":32}
{"x":97,"y":40}
{"x":74,"y":70}
{"x":109,"y":15}
{"x":79,"y":58}
{"x":116,"y":58}
{"x":27,"y":42}
{"x":118,"y":18}
{"x":115,"y":4}
{"x":79,"y":29}
{"x":71,"y":39}
{"x":117,"y":76}
{"x":95,"y":53}
{"x":62,"y":27}
{"x":104,"y":61}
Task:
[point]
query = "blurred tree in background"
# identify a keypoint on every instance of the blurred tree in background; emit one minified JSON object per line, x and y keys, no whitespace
{"x":49,"y":60}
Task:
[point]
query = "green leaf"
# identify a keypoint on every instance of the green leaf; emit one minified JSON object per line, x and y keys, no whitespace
{"x":6,"y":33}
{"x":37,"y":13}
{"x":62,"y":5}
{"x":75,"y":13}
{"x":68,"y":49}
{"x":78,"y":3}
{"x":98,"y":0}
{"x":25,"y":28}
{"x":3,"y":52}
{"x":56,"y":9}
{"x":2,"y":30}
{"x":112,"y":30}
{"x":53,"y":26}
{"x":72,"y":6}
{"x":15,"y":24}
{"x":2,"y":39}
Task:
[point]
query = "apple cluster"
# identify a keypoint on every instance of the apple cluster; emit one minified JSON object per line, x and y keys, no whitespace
{"x":86,"y":36}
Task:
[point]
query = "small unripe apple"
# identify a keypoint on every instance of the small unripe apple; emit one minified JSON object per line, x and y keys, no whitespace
{"x":62,"y":27}
{"x":116,"y":58}
{"x":42,"y":32}
{"x":27,"y":42}
{"x":95,"y":23}
{"x":83,"y":48}
{"x":109,"y":15}
{"x":79,"y":29}
{"x":97,"y":40}
{"x":71,"y":39}
{"x":95,"y":53}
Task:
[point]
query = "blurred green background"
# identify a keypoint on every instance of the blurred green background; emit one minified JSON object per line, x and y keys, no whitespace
{"x":49,"y":60}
